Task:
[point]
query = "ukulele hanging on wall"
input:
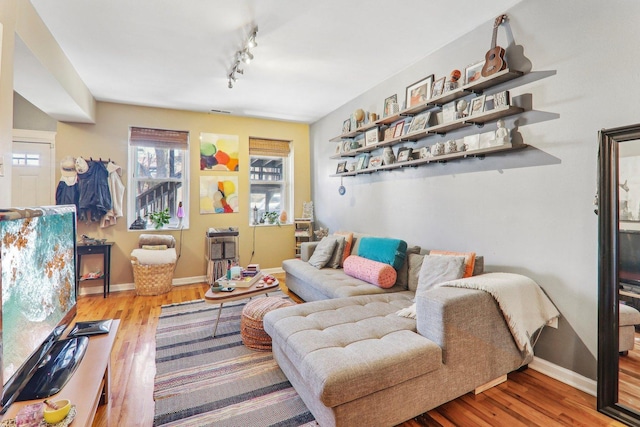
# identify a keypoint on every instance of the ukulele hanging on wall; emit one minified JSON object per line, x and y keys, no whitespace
{"x":494,"y":59}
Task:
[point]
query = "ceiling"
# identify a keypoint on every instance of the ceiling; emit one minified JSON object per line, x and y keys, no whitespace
{"x":311,"y":58}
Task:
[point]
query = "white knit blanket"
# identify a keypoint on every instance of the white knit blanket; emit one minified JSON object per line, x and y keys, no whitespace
{"x":524,"y":305}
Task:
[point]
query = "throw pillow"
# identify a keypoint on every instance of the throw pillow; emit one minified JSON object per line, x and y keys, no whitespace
{"x":415,"y":264}
{"x":382,"y":249}
{"x":336,"y":258}
{"x":403,"y":273}
{"x":438,"y":269}
{"x":469,"y":260}
{"x":348,"y":244}
{"x":377,"y":273}
{"x":323,"y":252}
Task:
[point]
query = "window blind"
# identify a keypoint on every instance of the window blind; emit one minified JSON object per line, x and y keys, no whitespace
{"x":269,"y":147}
{"x":159,"y":138}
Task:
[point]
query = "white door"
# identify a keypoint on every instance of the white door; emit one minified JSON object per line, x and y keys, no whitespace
{"x":32,"y":172}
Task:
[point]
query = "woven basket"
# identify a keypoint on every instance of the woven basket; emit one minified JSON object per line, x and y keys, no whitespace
{"x":152,"y":279}
{"x":251,"y":326}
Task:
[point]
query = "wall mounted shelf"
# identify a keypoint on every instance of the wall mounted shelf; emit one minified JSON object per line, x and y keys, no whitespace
{"x":436,"y":102}
{"x":481,"y":153}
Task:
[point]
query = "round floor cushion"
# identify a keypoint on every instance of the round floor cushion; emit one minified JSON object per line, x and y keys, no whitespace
{"x":251,"y":328}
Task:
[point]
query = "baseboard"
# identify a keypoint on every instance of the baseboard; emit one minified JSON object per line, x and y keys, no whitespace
{"x":564,"y":375}
{"x":92,"y":290}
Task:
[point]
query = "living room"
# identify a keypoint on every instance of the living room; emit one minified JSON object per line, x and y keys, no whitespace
{"x":528,"y":211}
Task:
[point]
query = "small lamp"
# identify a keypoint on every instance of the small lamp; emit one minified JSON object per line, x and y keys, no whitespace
{"x":180,"y":214}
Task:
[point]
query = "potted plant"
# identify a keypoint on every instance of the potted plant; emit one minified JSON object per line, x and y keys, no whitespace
{"x":271,"y":217}
{"x":159,"y":218}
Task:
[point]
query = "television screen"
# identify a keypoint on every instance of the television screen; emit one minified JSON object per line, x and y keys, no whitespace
{"x":629,"y":257}
{"x":38,"y":279}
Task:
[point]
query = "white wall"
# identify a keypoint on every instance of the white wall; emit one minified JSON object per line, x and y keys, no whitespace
{"x":529,"y":211}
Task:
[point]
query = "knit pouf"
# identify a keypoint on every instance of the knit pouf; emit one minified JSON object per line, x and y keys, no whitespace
{"x":251,"y":328}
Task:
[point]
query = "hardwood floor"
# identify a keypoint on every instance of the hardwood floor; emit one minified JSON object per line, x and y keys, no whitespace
{"x":528,"y":398}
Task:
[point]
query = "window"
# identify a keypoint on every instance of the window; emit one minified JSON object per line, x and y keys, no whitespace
{"x":271,"y":177}
{"x":25,"y":159}
{"x":158,"y":174}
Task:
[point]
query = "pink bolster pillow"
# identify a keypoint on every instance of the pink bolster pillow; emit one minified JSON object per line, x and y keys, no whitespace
{"x":374,"y":272}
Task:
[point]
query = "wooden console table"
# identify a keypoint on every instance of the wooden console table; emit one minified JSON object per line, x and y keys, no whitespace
{"x":89,"y":384}
{"x":105,"y":250}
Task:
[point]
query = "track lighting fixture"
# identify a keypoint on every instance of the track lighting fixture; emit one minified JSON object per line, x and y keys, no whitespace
{"x":243,"y":55}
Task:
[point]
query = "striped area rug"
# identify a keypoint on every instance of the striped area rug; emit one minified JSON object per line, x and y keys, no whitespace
{"x":205,"y":381}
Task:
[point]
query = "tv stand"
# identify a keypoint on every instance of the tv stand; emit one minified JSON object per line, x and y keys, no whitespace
{"x":89,"y":384}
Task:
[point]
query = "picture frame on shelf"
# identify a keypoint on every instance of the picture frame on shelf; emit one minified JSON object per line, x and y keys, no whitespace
{"x":473,"y":72}
{"x":501,"y":100}
{"x":404,"y":153}
{"x":472,"y":142}
{"x":342,"y":167}
{"x":375,"y":162}
{"x":390,"y":105}
{"x":346,"y":145}
{"x":397,"y":130}
{"x":438,"y":87}
{"x":362,"y":161}
{"x":476,"y":106}
{"x":371,"y":137}
{"x":419,"y":92}
{"x":388,"y":133}
{"x":449,"y":112}
{"x":338,"y":148}
{"x":419,"y":122}
{"x":346,"y":126}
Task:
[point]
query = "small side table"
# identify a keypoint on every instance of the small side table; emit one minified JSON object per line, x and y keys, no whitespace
{"x":236,"y":295}
{"x":105,"y":250}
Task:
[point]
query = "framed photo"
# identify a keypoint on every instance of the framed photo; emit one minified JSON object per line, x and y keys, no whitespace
{"x":342,"y":167}
{"x":449,"y":112}
{"x":419,"y":92}
{"x":397,"y":130}
{"x":375,"y":162}
{"x":404,"y":153}
{"x":501,"y":99}
{"x":346,"y":146}
{"x":362,"y":161}
{"x":438,"y":87}
{"x":419,"y":122}
{"x":472,"y":72}
{"x":371,"y":137}
{"x":477,"y":105}
{"x":472,"y":142}
{"x":389,"y":103}
{"x":338,"y":148}
{"x":346,"y":126}
{"x":388,"y":133}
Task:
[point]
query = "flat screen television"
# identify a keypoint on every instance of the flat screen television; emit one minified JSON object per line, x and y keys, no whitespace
{"x":39,"y":301}
{"x":629,"y":258}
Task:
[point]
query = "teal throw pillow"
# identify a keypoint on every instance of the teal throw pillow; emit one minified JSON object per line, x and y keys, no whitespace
{"x":383,"y":249}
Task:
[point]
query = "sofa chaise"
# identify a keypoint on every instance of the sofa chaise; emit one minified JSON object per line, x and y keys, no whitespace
{"x":354,"y":361}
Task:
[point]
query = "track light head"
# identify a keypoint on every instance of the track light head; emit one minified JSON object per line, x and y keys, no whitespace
{"x":243,"y":56}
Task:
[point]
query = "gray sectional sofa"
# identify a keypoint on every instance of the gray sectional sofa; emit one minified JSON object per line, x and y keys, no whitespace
{"x":355,"y":362}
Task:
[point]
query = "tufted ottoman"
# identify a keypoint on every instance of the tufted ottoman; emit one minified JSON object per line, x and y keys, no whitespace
{"x":629,"y":317}
{"x":251,"y":327}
